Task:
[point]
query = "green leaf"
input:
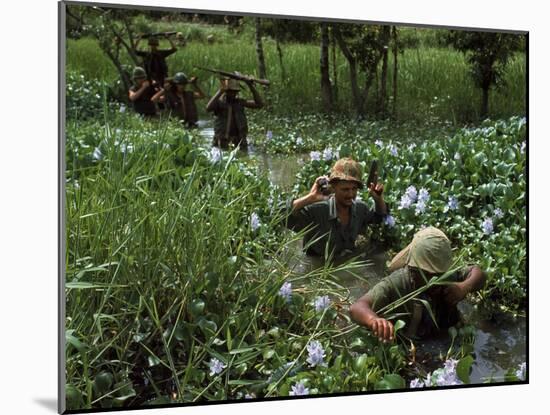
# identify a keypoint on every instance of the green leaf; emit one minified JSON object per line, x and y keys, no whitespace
{"x":390,"y":381}
{"x":463,"y":368}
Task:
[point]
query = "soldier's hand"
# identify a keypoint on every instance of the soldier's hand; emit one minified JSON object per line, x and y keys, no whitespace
{"x":224,"y":85}
{"x":146,"y":84}
{"x":315,"y":193}
{"x":193,"y":80}
{"x":454,"y":293}
{"x":383,"y":329}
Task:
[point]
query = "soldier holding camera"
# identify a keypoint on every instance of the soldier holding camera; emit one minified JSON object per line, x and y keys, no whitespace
{"x":335,"y":220}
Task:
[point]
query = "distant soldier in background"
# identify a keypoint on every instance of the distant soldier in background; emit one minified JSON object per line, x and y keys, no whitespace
{"x":144,"y":93}
{"x":154,"y":60}
{"x":230,"y":124}
{"x":179,"y":96}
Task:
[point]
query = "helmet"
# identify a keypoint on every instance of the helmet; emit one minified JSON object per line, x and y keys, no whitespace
{"x":346,"y":169}
{"x":139,"y":73}
{"x":180,"y":78}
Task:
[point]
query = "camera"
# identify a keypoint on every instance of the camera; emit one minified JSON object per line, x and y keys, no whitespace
{"x":323,"y":186}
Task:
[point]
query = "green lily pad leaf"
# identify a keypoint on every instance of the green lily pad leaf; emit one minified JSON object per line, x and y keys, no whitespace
{"x":463,"y":368}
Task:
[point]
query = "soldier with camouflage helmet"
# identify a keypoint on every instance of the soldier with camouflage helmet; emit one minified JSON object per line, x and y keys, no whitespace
{"x":179,"y":94}
{"x":154,"y":60}
{"x":336,"y":220}
{"x":230,"y":123}
{"x":143,"y":93}
{"x":429,"y":255}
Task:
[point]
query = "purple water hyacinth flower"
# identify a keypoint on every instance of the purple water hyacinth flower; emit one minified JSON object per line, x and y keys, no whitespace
{"x":315,"y":156}
{"x":250,"y":396}
{"x":452,"y":204}
{"x":97,"y":154}
{"x":411,"y":193}
{"x":316,"y":354}
{"x":327,"y":154}
{"x":423,"y":195}
{"x":499,"y":213}
{"x":322,"y":303}
{"x":416,"y":383}
{"x":286,"y":291}
{"x":389,"y":220}
{"x":215,"y":155}
{"x":216,"y":367}
{"x":487,"y":226}
{"x":299,"y":389}
{"x":255,"y":221}
{"x":420,"y":207}
{"x":393,"y":150}
{"x":405,"y":202}
{"x":269,"y":135}
{"x":522,"y":371}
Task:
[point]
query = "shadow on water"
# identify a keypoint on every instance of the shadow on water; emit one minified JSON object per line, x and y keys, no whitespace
{"x":500,"y":342}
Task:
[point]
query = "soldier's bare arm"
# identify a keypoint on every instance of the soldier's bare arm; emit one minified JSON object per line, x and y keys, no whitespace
{"x":361,"y":312}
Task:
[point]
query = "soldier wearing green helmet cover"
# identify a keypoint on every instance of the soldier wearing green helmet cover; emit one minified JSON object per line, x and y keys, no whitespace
{"x":334,"y":219}
{"x":179,"y":94}
{"x":154,"y":60}
{"x":429,"y":255}
{"x":230,"y":123}
{"x":144,"y":93}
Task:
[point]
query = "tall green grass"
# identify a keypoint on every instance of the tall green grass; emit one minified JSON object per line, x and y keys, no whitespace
{"x":423,"y":75}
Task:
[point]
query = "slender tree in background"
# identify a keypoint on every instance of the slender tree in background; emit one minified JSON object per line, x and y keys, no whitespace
{"x":334,"y":69}
{"x":362,"y":46}
{"x":260,"y":49}
{"x":358,"y":103}
{"x":326,"y":88}
{"x":487,"y":53}
{"x":395,"y":52}
{"x":382,"y":98}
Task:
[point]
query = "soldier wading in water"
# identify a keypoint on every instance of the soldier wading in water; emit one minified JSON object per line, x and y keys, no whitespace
{"x":230,"y":124}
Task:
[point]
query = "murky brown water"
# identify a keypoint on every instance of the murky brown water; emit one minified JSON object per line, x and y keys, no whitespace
{"x":500,"y":343}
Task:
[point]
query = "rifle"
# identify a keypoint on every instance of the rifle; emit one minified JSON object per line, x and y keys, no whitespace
{"x":235,"y":75}
{"x":148,"y":35}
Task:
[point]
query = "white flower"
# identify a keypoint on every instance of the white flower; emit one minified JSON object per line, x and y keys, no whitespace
{"x":316,"y":354}
{"x":215,"y":155}
{"x":379,"y":143}
{"x":322,"y":303}
{"x":122,"y":109}
{"x":393,"y":150}
{"x":299,"y":141}
{"x":255,"y":222}
{"x":499,"y":213}
{"x":457,"y":156}
{"x":216,"y":367}
{"x":97,"y":154}
{"x":286,"y":291}
{"x":416,"y":383}
{"x":327,"y":154}
{"x":315,"y":155}
{"x":298,"y":390}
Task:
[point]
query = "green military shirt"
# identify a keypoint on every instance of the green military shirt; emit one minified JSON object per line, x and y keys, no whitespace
{"x":400,"y":283}
{"x":326,"y":232}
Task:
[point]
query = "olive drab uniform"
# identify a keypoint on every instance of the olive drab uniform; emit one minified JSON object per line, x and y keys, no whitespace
{"x":230,"y":123}
{"x":183,"y":106}
{"x":419,"y":322}
{"x":154,"y":62}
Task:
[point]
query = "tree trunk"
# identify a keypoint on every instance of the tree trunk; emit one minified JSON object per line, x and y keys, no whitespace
{"x":395,"y":50}
{"x":260,"y":51}
{"x":334,"y":71}
{"x":358,"y":102}
{"x":485,"y":102}
{"x":280,"y":53}
{"x":384,"y":75}
{"x":326,"y":92}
